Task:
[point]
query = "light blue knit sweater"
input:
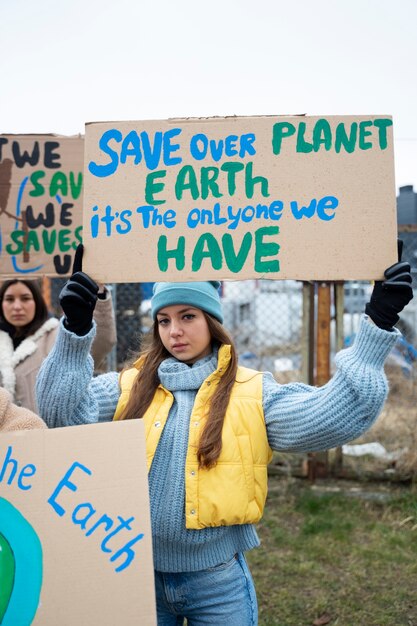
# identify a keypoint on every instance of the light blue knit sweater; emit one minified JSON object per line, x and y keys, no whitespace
{"x":298,"y":417}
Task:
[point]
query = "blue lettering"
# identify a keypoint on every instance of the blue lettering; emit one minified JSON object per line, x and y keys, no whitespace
{"x":234,"y":218}
{"x":193,"y":218}
{"x":133,"y":140}
{"x":230,"y":145}
{"x":248,"y":213}
{"x":152,"y":158}
{"x":328,"y":203}
{"x":130,"y":555}
{"x":27,"y":470}
{"x":124,"y":215}
{"x":123,"y":524}
{"x":83,"y":520}
{"x":12,"y":464}
{"x":246,"y":146}
{"x":168,"y":147}
{"x":145,"y":212}
{"x":94,"y":223}
{"x":169,"y":218}
{"x":104,"y":519}
{"x":275,"y":210}
{"x":301,"y":212}
{"x":65,"y":482}
{"x":6,"y":462}
{"x":217,"y":218}
{"x":216,"y":149}
{"x":108,"y":169}
{"x":196,"y":152}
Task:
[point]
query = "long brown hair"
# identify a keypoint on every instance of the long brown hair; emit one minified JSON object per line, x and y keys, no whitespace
{"x":147,"y":381}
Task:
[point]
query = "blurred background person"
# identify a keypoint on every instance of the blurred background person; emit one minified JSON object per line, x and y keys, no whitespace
{"x":28,"y":332}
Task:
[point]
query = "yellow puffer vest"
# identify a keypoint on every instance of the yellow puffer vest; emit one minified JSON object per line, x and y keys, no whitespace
{"x":234,"y":491}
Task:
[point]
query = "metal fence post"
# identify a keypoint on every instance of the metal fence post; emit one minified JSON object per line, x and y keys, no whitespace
{"x":339,"y":304}
{"x":307,"y":335}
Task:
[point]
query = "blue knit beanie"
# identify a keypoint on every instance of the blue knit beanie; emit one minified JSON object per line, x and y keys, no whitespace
{"x":203,"y":295}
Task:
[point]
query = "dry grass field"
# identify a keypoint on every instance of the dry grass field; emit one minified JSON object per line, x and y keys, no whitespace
{"x":342,"y":551}
{"x":396,"y":427}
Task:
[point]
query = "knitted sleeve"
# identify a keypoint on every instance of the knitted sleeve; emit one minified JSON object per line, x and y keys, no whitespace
{"x":303,"y":418}
{"x":67,"y":394}
{"x":106,"y":336}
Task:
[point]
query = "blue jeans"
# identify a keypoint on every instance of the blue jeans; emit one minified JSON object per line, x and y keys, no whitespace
{"x":223,"y":595}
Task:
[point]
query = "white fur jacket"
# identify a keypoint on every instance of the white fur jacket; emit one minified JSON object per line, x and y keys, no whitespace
{"x":18,"y":368}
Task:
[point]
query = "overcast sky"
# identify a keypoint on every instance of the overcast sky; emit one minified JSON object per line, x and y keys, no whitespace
{"x":67,"y":62}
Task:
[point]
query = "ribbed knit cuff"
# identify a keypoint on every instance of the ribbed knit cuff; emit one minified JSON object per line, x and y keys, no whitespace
{"x":372,"y":344}
{"x":72,"y":348}
{"x":175,"y":556}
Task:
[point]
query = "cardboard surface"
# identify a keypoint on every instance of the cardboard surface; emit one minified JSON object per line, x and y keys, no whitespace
{"x":309,"y":198}
{"x":55,"y":487}
{"x":41,"y":178}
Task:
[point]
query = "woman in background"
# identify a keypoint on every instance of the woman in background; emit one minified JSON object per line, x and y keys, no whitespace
{"x":28,"y":332}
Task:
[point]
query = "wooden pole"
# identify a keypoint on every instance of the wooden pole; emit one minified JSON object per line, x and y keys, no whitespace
{"x":46,"y":292}
{"x":323,"y":334}
{"x":319,"y":461}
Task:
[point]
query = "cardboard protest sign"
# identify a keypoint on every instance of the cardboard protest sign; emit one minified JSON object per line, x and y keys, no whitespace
{"x":41,"y":178}
{"x":235,"y":198}
{"x":75,"y":535}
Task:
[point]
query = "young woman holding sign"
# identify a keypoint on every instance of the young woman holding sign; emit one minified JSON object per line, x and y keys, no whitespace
{"x":211,"y":426}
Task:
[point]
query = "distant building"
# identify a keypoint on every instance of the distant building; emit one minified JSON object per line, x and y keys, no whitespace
{"x":407,"y":206}
{"x":407,"y":226}
{"x":407,"y":231}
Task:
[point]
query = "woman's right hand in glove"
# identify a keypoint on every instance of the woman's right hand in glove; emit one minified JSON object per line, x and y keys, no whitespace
{"x":78,"y":298}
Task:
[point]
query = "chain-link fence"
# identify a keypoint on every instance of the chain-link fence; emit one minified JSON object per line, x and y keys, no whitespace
{"x":268,"y":322}
{"x":264,"y":317}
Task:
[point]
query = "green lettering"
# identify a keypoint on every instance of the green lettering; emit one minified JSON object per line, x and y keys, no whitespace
{"x":15,"y":236}
{"x":382,"y":126}
{"x":251,"y":181}
{"x":49,"y":240}
{"x":78,"y":237}
{"x":76,"y":186}
{"x":302,"y":144}
{"x":177,"y":253}
{"x":231,"y":168}
{"x":38,"y":189}
{"x":364,"y":145}
{"x":64,"y":243}
{"x":235,"y":261}
{"x":322,"y":134}
{"x":212,"y":252}
{"x":59,"y":184}
{"x":209,"y":176}
{"x":151,"y":187}
{"x":32,"y":241}
{"x":279,"y":131}
{"x":342,"y":139}
{"x":265,"y":249}
{"x":186,"y":179}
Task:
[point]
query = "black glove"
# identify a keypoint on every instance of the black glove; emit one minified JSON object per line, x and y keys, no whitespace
{"x":390,"y":296}
{"x":78,"y":298}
